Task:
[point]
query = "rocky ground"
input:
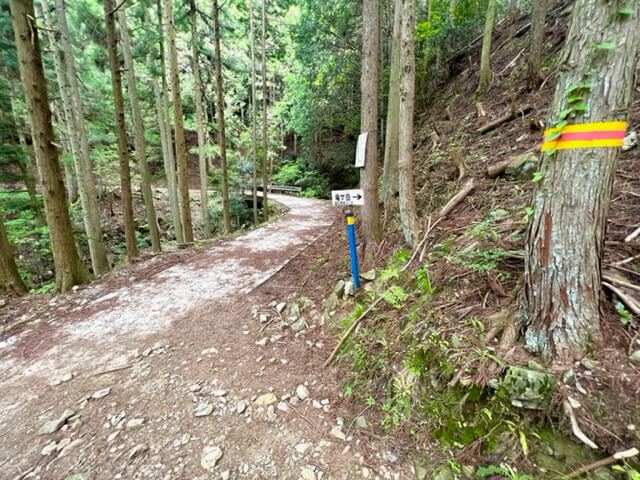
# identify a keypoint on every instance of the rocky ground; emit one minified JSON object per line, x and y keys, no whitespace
{"x":194,"y":365}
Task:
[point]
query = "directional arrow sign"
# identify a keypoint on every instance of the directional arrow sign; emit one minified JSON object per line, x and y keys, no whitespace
{"x":347,"y":197}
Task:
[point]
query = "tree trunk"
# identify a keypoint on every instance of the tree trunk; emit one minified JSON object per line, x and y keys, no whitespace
{"x":70,"y":175}
{"x":138,"y":133}
{"x":220,"y":114}
{"x":391,"y":152}
{"x":452,"y":9}
{"x":485,"y":62}
{"x":69,"y":268}
{"x":561,"y":301}
{"x":10,"y":281}
{"x":166,"y":135}
{"x":181,"y":149}
{"x":369,"y":123}
{"x":265,"y":132}
{"x":121,"y":132}
{"x":407,"y":104}
{"x":84,"y":169}
{"x":254,"y":105}
{"x":64,"y":118}
{"x":536,"y":44}
{"x":201,"y":121}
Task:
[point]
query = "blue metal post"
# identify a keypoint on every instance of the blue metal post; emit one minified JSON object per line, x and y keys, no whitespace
{"x":351,"y":234}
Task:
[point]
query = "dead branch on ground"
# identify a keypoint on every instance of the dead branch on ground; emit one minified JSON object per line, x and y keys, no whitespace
{"x":632,"y":235}
{"x":632,"y":452}
{"x":504,"y":119}
{"x":458,"y":198}
{"x":627,"y":300}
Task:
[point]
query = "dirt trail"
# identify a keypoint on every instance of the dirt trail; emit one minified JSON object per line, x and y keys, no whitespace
{"x":172,"y":368}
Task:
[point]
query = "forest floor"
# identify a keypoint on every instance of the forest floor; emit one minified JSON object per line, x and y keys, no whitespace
{"x":173,"y":369}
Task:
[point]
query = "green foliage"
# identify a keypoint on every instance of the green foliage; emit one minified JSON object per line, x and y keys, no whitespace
{"x":396,"y":296}
{"x":481,"y":260}
{"x":485,"y":230}
{"x":624,"y":314}
{"x":443,"y":36}
{"x":30,"y":241}
{"x":630,"y":471}
{"x":314,"y":183}
{"x":423,"y":282}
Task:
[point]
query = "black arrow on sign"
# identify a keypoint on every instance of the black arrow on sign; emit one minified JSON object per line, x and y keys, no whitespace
{"x":358,"y":197}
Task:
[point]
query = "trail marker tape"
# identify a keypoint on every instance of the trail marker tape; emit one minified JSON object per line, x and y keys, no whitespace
{"x":585,"y":135}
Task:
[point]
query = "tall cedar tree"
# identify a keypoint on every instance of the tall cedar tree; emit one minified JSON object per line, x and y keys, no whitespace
{"x":166,"y":137}
{"x":64,"y":115}
{"x":121,"y":131}
{"x":69,"y":269}
{"x":265,"y":133}
{"x":369,"y":82}
{"x":181,"y":148}
{"x":485,"y":57}
{"x":200,"y":121}
{"x":220,"y":117}
{"x":84,"y":168}
{"x":391,"y":146}
{"x":254,"y":113}
{"x":138,"y":133}
{"x":10,"y":281}
{"x":561,"y":301}
{"x":407,"y":106}
{"x":536,"y":42}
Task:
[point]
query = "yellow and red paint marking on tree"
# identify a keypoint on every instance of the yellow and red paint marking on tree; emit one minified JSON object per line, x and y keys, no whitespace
{"x":585,"y":135}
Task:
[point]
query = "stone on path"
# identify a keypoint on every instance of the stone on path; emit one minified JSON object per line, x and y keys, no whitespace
{"x":301,"y":448}
{"x":266,"y":399}
{"x":135,"y":423}
{"x":302,"y":392}
{"x":62,"y":379}
{"x":65,"y":451}
{"x":369,"y":276}
{"x":209,"y":458}
{"x":307,"y":474}
{"x":53,"y":426}
{"x":49,"y":448}
{"x":203,"y":409}
{"x":349,"y":289}
{"x":338,"y":433}
{"x":101,"y":393}
{"x":137,"y":451}
{"x":78,"y":476}
{"x":241,"y":406}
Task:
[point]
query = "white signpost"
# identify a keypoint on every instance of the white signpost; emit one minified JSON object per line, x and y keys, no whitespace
{"x":361,"y":149}
{"x":347,"y":197}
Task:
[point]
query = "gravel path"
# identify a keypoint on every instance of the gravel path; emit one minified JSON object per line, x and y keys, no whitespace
{"x":181,"y":367}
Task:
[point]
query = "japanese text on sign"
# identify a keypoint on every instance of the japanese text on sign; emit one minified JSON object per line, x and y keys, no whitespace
{"x":347,"y":197}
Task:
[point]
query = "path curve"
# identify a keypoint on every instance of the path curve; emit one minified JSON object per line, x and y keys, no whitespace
{"x":103,"y":319}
